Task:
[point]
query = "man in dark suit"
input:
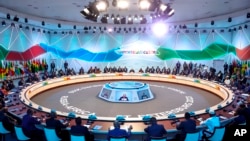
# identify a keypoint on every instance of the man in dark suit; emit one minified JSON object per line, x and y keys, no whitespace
{"x":186,"y":126}
{"x":29,"y":128}
{"x":7,"y":121}
{"x":117,"y":132}
{"x":81,"y":130}
{"x":46,"y":67}
{"x":155,"y":130}
{"x":52,"y":66}
{"x":66,"y":66}
{"x":52,"y":122}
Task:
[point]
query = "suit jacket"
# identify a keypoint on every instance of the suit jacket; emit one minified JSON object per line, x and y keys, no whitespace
{"x":79,"y":129}
{"x":186,"y":126}
{"x":117,"y":132}
{"x":28,"y":125}
{"x":55,"y":123}
{"x":155,"y":130}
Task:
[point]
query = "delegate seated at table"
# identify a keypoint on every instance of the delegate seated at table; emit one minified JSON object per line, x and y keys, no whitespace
{"x":118,"y":132}
{"x":81,"y":130}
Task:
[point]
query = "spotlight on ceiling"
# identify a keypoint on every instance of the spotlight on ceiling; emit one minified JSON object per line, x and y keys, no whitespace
{"x":123,"y":20}
{"x":163,"y":7}
{"x":144,"y":4}
{"x":130,"y":20}
{"x":143,"y":20}
{"x":8,"y":16}
{"x":117,"y":20}
{"x":16,"y":19}
{"x":212,"y":22}
{"x":122,"y":4}
{"x":102,"y":5}
{"x":3,"y":23}
{"x":43,"y":23}
{"x":26,"y":20}
{"x":104,"y":19}
{"x":112,"y":17}
{"x":196,"y":25}
{"x":171,"y":13}
{"x":90,"y":12}
{"x":85,"y":12}
{"x":12,"y":24}
{"x":229,"y":19}
{"x":248,"y":15}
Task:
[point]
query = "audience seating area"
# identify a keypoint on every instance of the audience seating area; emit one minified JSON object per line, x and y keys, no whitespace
{"x":50,"y":134}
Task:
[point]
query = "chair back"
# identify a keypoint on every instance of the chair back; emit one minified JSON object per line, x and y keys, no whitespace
{"x":19,"y":133}
{"x":243,"y":123}
{"x":218,"y":134}
{"x":119,"y":138}
{"x":2,"y":129}
{"x":50,"y":134}
{"x":194,"y":136}
{"x":164,"y":138}
{"x":77,"y":137}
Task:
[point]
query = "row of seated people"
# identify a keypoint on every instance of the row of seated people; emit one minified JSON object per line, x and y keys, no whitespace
{"x":242,"y":113}
{"x":29,"y":124}
{"x":238,"y":81}
{"x":186,"y":67}
{"x":235,"y":79}
{"x":7,"y":85}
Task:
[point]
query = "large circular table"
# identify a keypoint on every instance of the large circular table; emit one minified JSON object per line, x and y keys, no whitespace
{"x":104,"y":122}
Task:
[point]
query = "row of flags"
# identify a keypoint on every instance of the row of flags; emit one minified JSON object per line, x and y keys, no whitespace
{"x":241,"y":67}
{"x":17,"y":68}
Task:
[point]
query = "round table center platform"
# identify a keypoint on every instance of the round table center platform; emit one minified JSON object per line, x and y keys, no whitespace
{"x":126,"y":91}
{"x":126,"y":85}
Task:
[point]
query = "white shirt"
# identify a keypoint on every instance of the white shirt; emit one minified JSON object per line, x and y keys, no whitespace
{"x":211,"y":123}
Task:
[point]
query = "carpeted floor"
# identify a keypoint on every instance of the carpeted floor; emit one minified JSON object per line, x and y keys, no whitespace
{"x":167,"y":97}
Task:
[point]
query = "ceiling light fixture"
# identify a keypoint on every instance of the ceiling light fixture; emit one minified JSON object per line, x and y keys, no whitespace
{"x":144,"y":4}
{"x":102,"y":5}
{"x":248,"y":15}
{"x":26,"y":20}
{"x":163,"y":7}
{"x":3,"y":23}
{"x":155,"y":9}
{"x":122,"y":4}
{"x":16,"y":19}
{"x":8,"y":16}
{"x":171,"y":12}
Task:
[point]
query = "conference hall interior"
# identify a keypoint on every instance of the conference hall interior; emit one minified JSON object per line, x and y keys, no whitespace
{"x":124,"y":70}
